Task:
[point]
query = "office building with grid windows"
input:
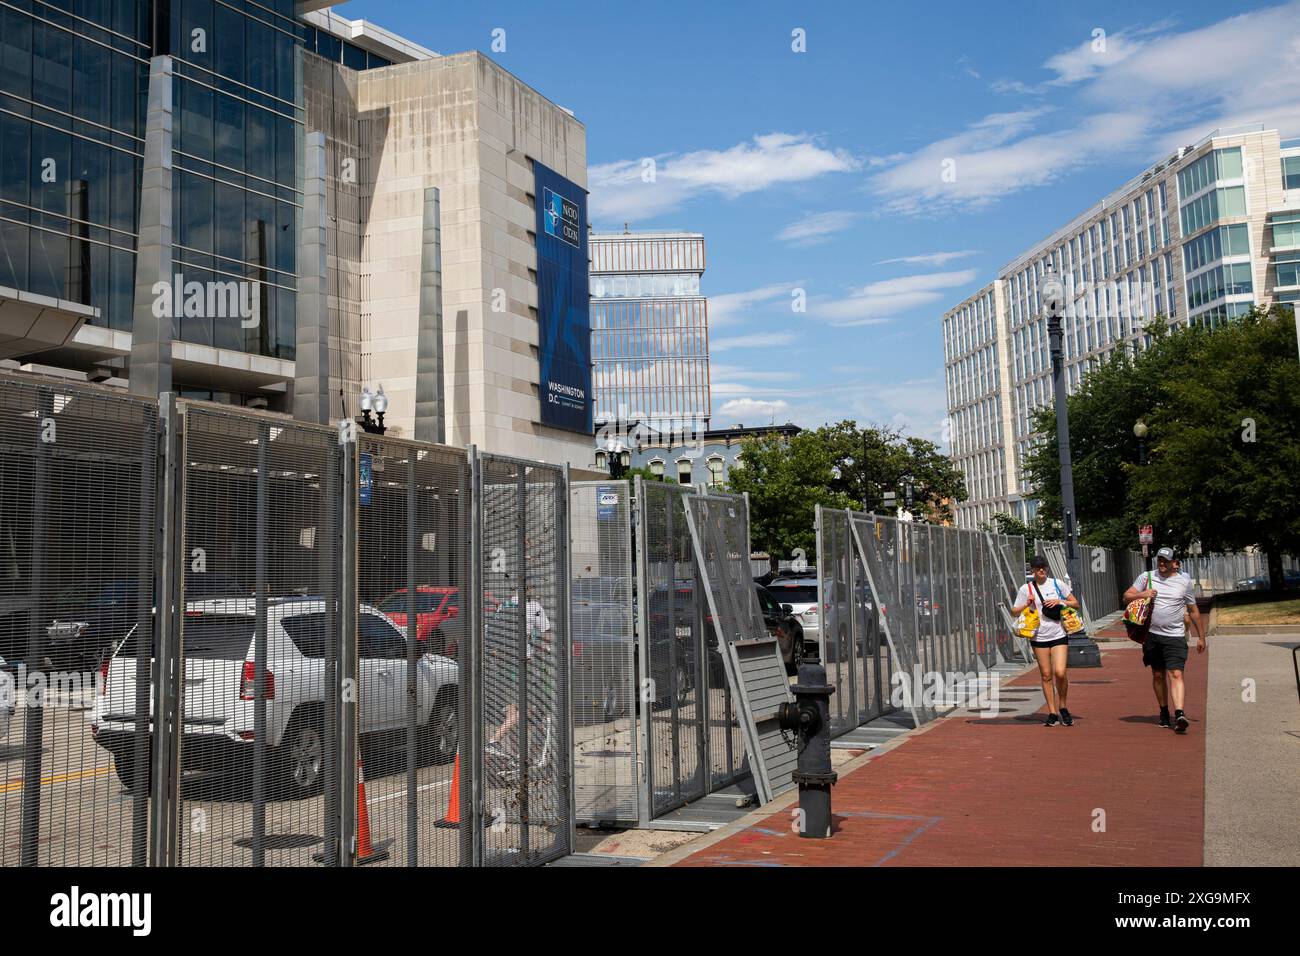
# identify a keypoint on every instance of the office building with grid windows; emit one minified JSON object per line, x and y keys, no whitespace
{"x":1201,"y":237}
{"x":649,"y":331}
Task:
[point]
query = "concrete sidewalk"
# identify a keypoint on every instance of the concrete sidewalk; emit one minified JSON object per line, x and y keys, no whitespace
{"x":1113,"y":790}
{"x":1251,"y":776}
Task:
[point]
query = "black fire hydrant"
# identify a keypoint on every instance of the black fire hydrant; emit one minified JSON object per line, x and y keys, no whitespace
{"x":810,"y":717}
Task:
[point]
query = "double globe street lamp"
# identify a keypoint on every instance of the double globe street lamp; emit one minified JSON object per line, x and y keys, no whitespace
{"x":378,"y":403}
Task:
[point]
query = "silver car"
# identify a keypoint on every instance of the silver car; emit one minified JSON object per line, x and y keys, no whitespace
{"x":800,"y":593}
{"x":8,"y":699}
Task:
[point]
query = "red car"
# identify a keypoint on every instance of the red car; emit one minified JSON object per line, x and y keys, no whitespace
{"x":435,"y":606}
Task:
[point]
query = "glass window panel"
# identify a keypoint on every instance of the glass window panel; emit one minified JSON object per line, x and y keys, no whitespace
{"x":227,"y":43}
{"x":354,"y":57}
{"x":51,"y":67}
{"x":121,"y":291}
{"x":230,"y":240}
{"x":1229,"y":163}
{"x":13,"y":255}
{"x":259,"y":146}
{"x":49,"y":259}
{"x":195,"y":133}
{"x":15,"y":53}
{"x":90,"y":81}
{"x":229,"y":131}
{"x":90,"y":164}
{"x":194,"y":215}
{"x":51,"y":159}
{"x":1232,"y":201}
{"x":15,"y":159}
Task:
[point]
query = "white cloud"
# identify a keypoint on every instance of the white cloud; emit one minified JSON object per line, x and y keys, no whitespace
{"x":879,"y":302}
{"x":1151,"y":90}
{"x":757,"y":411}
{"x":619,"y":190}
{"x":756,"y":340}
{"x":817,"y":227}
{"x":930,"y":258}
{"x":725,"y":309}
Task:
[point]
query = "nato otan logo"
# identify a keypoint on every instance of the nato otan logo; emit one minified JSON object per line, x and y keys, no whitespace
{"x":77,"y":909}
{"x":562,"y":218}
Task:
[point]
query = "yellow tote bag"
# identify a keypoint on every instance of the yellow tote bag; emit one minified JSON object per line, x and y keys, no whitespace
{"x":1027,"y":623}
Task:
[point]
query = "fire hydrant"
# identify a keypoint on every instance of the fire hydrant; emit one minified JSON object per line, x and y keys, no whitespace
{"x":810,"y":717}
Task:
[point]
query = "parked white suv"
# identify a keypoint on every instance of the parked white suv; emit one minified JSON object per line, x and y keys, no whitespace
{"x":219,"y":686}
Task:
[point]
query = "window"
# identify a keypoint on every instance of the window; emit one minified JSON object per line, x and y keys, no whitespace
{"x":1288,"y":269}
{"x":1286,"y":231}
{"x":378,"y":639}
{"x":601,"y":460}
{"x":684,"y":471}
{"x":657,"y":467}
{"x":715,"y":471}
{"x":1291,"y":172}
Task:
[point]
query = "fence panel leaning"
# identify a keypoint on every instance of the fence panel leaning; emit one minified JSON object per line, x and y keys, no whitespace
{"x":604,"y":683}
{"x":78,"y":482}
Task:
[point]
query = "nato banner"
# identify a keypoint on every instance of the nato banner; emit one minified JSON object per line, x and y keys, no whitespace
{"x":563,"y":302}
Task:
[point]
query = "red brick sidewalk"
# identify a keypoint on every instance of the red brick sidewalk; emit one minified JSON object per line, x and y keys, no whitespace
{"x":1011,"y":792}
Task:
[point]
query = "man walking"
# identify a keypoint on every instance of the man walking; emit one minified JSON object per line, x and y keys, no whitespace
{"x":1165,"y":650}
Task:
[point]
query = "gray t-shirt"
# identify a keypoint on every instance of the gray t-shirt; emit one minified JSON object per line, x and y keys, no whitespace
{"x":1173,"y":595}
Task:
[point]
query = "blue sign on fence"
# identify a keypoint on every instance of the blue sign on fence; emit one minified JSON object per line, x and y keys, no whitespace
{"x":367,"y":479}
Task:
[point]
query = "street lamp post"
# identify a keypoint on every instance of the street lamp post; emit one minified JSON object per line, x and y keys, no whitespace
{"x":378,"y":403}
{"x":1084,"y":651}
{"x":1140,"y":430}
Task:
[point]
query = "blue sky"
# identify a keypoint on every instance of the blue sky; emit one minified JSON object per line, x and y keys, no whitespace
{"x":824,"y":170}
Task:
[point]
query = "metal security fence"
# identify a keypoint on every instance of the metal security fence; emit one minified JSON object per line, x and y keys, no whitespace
{"x":690,"y":733}
{"x":272,"y":643}
{"x":524,"y":717}
{"x":604,"y":683}
{"x":78,"y":484}
{"x":674,"y":657}
{"x":911,"y":613}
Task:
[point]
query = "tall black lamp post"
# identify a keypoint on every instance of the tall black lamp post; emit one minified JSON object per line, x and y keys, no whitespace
{"x":1084,"y":651}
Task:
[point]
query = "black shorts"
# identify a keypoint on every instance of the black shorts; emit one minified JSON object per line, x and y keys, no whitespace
{"x":1059,"y":642}
{"x":1165,"y":652}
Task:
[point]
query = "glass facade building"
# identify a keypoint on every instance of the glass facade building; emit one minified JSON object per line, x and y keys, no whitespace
{"x":74,"y":78}
{"x":1186,"y":241}
{"x":650,"y":330}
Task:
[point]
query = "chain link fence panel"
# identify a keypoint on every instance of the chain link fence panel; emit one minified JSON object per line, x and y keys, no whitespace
{"x":604,"y":653}
{"x":78,"y":478}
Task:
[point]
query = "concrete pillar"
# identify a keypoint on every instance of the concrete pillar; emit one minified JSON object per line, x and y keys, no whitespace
{"x":312,"y":356}
{"x":430,"y":407}
{"x":151,"y":335}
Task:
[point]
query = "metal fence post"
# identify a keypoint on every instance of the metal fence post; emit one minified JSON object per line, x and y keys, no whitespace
{"x":412,"y":638}
{"x":168,"y":658}
{"x":565,"y":680}
{"x":37,"y":640}
{"x":348,"y":608}
{"x":471,"y":831}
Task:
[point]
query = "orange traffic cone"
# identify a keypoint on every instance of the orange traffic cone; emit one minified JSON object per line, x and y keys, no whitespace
{"x":452,"y":817}
{"x":367,"y":852}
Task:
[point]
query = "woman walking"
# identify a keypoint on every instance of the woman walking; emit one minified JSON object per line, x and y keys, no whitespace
{"x":1051,"y":644}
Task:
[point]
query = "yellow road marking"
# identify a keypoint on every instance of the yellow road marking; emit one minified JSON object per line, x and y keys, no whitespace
{"x":58,"y":778}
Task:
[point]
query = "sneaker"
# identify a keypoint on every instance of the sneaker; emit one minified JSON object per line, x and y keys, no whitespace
{"x":1066,"y":718}
{"x":1181,"y":723}
{"x":1164,"y":718}
{"x":1052,"y":720}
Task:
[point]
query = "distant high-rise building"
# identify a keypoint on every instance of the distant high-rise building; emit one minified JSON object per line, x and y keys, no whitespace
{"x":649,"y":331}
{"x":1200,"y":237}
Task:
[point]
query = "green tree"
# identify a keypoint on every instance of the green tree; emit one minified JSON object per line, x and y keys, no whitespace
{"x":1110,"y":401}
{"x":1009,"y":524}
{"x":1225,"y":443}
{"x":644,"y":473}
{"x":882,"y":460}
{"x":785,"y":479}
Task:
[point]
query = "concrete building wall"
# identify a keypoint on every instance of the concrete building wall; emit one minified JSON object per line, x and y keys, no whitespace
{"x":461,"y":124}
